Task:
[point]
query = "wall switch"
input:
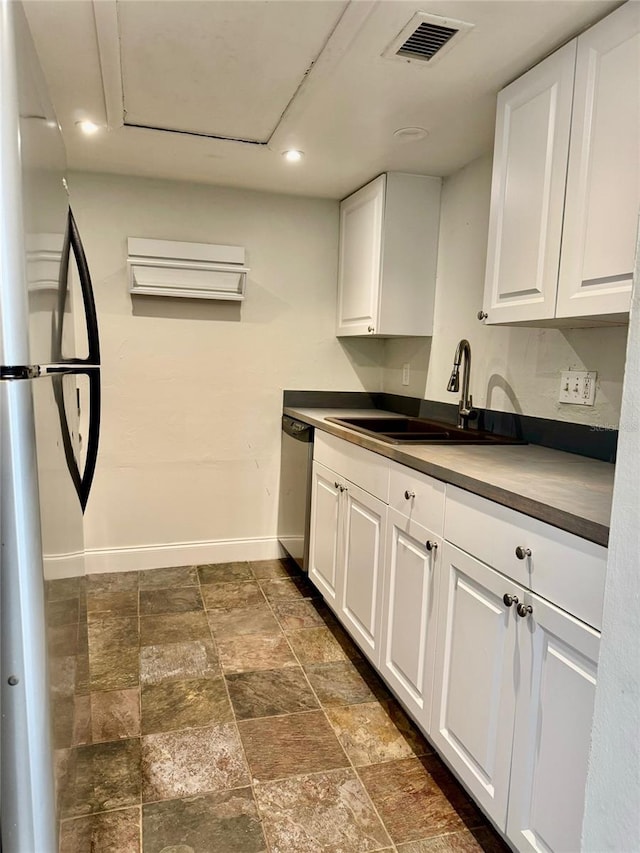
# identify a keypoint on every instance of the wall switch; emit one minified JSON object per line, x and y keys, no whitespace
{"x":578,"y":387}
{"x":406,"y":372}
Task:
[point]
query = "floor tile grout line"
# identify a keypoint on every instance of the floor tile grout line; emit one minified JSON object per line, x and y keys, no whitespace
{"x":284,"y":634}
{"x":354,"y":767}
{"x":235,"y":721}
{"x":348,"y":758}
{"x":350,"y":765}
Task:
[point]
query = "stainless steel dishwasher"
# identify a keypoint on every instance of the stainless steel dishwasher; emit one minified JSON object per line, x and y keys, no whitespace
{"x":294,"y":508}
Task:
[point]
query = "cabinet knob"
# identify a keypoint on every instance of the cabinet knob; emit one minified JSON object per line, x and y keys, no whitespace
{"x":509,"y":599}
{"x":408,"y":495}
{"x":371,"y":329}
{"x":482,"y":315}
{"x":430,"y":545}
{"x":524,"y":609}
{"x":522,"y":553}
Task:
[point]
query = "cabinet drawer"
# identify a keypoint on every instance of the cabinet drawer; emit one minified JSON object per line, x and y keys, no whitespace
{"x":426,"y":506}
{"x":565,"y":569}
{"x":362,"y":467}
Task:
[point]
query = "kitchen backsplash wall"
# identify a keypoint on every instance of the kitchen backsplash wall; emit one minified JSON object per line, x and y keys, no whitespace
{"x":513,"y":369}
{"x":192,"y":393}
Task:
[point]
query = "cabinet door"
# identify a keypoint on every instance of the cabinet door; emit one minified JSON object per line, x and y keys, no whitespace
{"x":603,"y":181}
{"x":553,"y":729}
{"x":359,"y":266}
{"x":325,"y":541}
{"x":361,"y":598}
{"x":527,"y":191}
{"x":476,"y":678}
{"x":409,"y":613}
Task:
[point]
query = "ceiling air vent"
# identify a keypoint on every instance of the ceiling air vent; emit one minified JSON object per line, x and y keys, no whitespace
{"x":426,"y":38}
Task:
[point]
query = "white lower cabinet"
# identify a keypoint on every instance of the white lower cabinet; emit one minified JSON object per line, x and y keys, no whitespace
{"x":475,"y":690}
{"x":409,"y":613}
{"x":326,"y":540}
{"x":513,"y":703}
{"x":362,"y":569}
{"x":346,"y":554}
{"x":500,"y":678}
{"x":554,"y":710}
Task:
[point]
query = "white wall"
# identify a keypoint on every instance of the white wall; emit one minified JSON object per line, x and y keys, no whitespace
{"x":612,"y":808}
{"x":513,"y":369}
{"x":192,"y":390}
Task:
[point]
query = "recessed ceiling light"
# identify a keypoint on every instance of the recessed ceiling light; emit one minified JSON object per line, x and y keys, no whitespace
{"x":293,"y":156}
{"x":410,"y":134}
{"x":88,"y":127}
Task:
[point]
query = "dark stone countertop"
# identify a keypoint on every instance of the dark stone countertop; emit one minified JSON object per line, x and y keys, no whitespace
{"x":565,"y":490}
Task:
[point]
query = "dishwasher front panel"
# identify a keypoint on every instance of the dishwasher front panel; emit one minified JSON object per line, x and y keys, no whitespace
{"x":294,"y":508}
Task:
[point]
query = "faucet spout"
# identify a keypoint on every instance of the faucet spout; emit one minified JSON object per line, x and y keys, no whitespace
{"x":466,"y":412}
{"x":454,"y":381}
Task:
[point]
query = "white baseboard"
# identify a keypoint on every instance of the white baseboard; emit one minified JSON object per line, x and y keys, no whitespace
{"x":60,"y":566}
{"x":180,"y":554}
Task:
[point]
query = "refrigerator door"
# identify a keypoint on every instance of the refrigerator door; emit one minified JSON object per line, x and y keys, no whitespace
{"x":61,"y":324}
{"x":41,"y":206}
{"x":27,"y":787}
{"x":44,"y":653}
{"x":45,"y":468}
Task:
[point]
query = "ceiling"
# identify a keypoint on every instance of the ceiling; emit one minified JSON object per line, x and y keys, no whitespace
{"x":214,"y":91}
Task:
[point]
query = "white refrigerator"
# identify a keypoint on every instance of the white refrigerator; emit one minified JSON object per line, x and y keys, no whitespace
{"x":49,"y":431}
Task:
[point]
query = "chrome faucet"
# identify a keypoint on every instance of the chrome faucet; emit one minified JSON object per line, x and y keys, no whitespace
{"x":466,"y":412}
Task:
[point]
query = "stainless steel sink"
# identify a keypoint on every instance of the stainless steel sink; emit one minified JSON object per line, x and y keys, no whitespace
{"x":409,"y":430}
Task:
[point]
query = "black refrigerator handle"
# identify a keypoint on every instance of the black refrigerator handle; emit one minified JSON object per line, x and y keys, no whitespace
{"x":88,"y":300}
{"x":81,"y":481}
{"x":93,"y":438}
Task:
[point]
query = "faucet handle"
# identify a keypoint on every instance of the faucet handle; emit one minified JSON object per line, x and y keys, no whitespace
{"x":466,"y":410}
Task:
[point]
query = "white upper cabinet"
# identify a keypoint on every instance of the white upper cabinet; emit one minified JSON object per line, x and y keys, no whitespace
{"x":388,"y":254}
{"x":527,"y":191}
{"x":603,"y":181}
{"x":566,"y":183}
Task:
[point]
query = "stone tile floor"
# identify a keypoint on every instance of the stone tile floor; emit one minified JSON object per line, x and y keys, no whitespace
{"x":222,"y":709}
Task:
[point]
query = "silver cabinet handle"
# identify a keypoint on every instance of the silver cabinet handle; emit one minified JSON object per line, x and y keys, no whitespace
{"x":522,"y":553}
{"x":482,"y":315}
{"x":509,"y":599}
{"x":524,"y":609}
{"x":371,"y":329}
{"x":430,"y":545}
{"x":408,"y":495}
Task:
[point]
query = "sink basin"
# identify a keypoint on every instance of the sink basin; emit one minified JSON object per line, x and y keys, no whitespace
{"x":409,"y":430}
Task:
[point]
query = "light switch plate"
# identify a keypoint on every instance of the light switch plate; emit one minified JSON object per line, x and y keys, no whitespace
{"x":578,"y":387}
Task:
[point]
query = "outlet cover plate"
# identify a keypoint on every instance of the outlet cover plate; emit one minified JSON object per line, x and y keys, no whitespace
{"x":578,"y":387}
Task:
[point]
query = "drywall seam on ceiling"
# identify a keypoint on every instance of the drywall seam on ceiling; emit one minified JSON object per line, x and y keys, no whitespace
{"x":338,"y":42}
{"x":105,"y":14}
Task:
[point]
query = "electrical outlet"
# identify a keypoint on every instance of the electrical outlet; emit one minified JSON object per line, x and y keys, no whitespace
{"x":406,"y":372}
{"x":578,"y":387}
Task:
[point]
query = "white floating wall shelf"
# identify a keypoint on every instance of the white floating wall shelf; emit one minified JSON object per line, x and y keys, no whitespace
{"x":193,"y":270}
